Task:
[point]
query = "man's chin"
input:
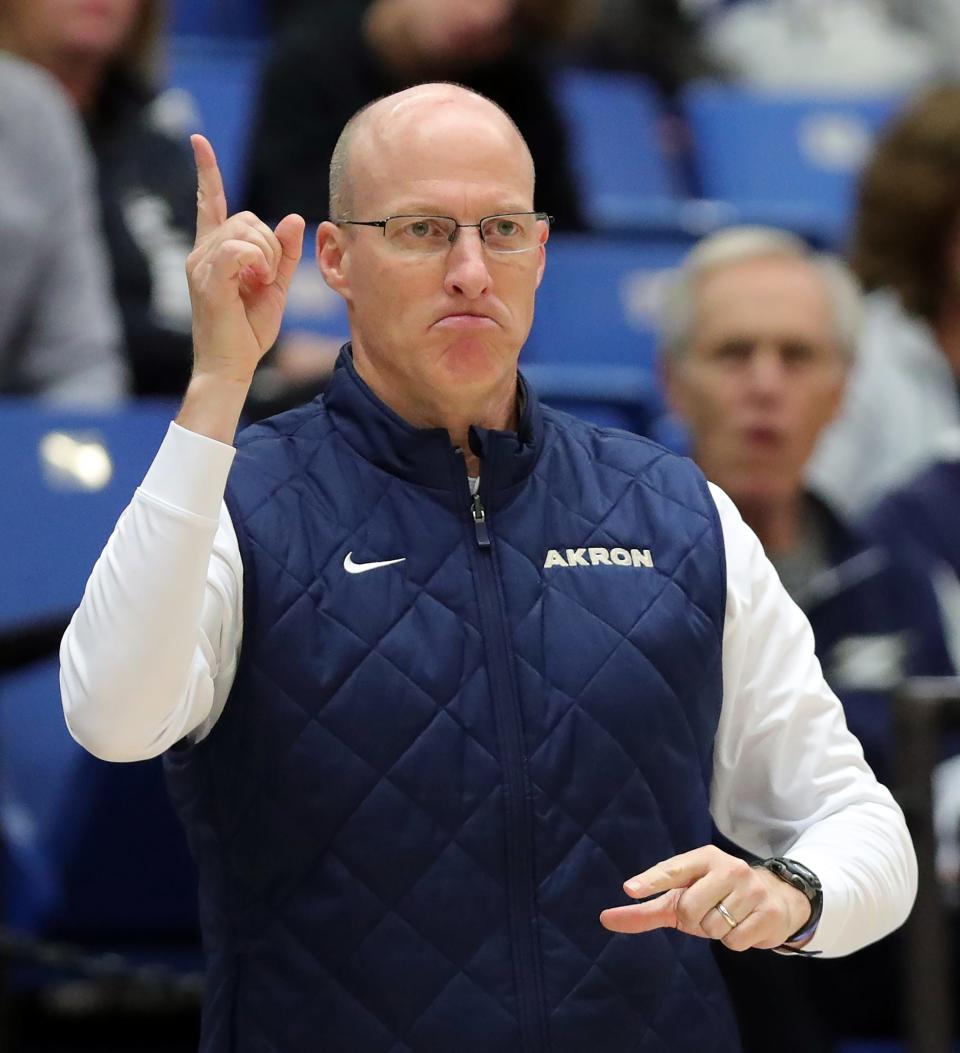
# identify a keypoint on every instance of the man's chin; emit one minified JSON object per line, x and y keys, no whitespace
{"x":761,"y":491}
{"x":471,"y":361}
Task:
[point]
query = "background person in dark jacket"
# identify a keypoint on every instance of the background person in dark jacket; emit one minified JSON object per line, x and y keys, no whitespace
{"x":759,"y":336}
{"x":59,"y":329}
{"x":104,"y":56}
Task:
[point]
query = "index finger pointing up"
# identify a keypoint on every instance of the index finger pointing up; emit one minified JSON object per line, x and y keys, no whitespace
{"x":211,"y":200}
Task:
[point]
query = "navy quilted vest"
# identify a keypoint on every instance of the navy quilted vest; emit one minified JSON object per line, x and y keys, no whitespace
{"x":432,"y":775}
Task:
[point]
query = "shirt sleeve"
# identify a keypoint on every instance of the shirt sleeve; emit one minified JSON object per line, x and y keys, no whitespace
{"x":789,"y":778}
{"x":151,"y":652}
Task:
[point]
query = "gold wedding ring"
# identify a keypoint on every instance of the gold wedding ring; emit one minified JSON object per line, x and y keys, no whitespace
{"x":726,"y":915}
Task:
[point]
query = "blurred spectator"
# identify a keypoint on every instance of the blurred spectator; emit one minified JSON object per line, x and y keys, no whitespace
{"x":758,"y":338}
{"x":939,"y":20}
{"x":846,"y":46}
{"x":656,"y":38}
{"x":922,"y":518}
{"x":330,"y":58}
{"x":58,"y":327}
{"x":903,"y":394}
{"x":104,"y":55}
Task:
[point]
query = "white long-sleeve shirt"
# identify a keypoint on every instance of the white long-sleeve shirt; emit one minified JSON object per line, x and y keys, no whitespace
{"x":151,"y":654}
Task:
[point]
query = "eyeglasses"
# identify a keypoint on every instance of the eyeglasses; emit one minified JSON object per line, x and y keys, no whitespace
{"x":433,"y":235}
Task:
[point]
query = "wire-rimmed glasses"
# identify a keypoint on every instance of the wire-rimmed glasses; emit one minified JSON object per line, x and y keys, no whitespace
{"x":506,"y":232}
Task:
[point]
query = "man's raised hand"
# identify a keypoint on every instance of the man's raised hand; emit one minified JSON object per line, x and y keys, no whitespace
{"x":239,"y":272}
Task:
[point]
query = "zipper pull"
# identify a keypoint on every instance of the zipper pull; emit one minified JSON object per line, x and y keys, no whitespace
{"x":480,"y":522}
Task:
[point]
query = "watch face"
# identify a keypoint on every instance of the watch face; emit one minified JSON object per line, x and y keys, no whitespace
{"x":804,"y":873}
{"x":796,"y":874}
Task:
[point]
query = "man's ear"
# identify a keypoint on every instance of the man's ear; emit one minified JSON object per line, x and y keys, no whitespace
{"x":331,"y":252}
{"x":542,"y":251}
{"x":671,"y":384}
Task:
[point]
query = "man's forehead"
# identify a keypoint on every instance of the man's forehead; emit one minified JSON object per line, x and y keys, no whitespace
{"x":763,"y":280}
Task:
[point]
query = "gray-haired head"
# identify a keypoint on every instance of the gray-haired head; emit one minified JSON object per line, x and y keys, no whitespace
{"x":342,"y":176}
{"x":678,"y":314}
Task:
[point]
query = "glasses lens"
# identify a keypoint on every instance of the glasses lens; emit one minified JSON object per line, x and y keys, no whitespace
{"x":512,"y":233}
{"x":420,"y":234}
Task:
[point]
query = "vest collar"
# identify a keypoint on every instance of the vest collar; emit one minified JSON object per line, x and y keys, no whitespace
{"x":424,"y":455}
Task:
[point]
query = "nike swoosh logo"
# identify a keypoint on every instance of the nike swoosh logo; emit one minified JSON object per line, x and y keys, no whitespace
{"x":361,"y":568}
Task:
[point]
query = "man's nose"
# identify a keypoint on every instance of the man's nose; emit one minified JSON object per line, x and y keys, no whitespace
{"x":767,"y":371}
{"x":467,"y":273}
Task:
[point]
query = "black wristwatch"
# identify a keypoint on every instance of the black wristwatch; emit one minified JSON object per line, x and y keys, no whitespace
{"x":803,"y":879}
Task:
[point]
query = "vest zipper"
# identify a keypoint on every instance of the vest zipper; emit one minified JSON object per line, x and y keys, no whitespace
{"x":518,"y":804}
{"x":480,"y":522}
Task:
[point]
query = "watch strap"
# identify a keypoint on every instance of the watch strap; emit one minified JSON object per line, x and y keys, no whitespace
{"x":804,"y":880}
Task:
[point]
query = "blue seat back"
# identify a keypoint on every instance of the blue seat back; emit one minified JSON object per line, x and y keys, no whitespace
{"x":598,"y":302}
{"x":627,"y":177}
{"x":219,"y":18}
{"x":312,"y":305}
{"x":592,"y":349}
{"x":780,"y":158}
{"x":94,"y":849}
{"x":67,"y":478}
{"x":221,"y":78}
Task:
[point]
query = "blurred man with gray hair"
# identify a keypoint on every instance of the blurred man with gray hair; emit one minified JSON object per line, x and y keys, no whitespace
{"x":758,"y":334}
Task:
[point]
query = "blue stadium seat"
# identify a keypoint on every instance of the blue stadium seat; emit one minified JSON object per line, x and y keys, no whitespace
{"x":593,"y":341}
{"x":783,"y":159}
{"x":617,"y":148}
{"x":221,"y":18}
{"x":67,"y":478}
{"x":611,"y":396}
{"x":94,"y":849}
{"x":221,"y":78}
{"x":598,"y":301}
{"x":311,"y":304}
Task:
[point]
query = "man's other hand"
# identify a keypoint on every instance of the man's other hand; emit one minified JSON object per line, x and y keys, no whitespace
{"x":688,"y":890}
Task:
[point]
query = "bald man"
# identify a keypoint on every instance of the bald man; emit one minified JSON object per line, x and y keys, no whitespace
{"x":442,"y":676}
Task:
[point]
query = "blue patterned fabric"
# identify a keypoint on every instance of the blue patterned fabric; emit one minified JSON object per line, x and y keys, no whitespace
{"x":432,"y":775}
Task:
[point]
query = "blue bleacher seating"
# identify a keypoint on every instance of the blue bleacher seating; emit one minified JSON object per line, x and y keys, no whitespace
{"x":93,"y":849}
{"x":627,"y":178}
{"x":783,"y":159}
{"x":68,"y":476}
{"x":221,"y":78}
{"x":598,"y":300}
{"x":312,"y":305}
{"x":218,"y":18}
{"x":594,"y":335}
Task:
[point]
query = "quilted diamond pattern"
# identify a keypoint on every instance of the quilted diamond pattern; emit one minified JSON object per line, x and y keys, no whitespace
{"x":350,"y":811}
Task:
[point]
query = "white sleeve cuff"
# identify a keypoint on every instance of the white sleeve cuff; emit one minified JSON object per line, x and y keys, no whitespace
{"x":189,"y":472}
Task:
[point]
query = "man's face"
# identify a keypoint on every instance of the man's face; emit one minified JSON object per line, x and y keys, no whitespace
{"x":761,"y":378}
{"x":94,"y":29}
{"x":446,"y":329}
{"x":455,"y":34}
